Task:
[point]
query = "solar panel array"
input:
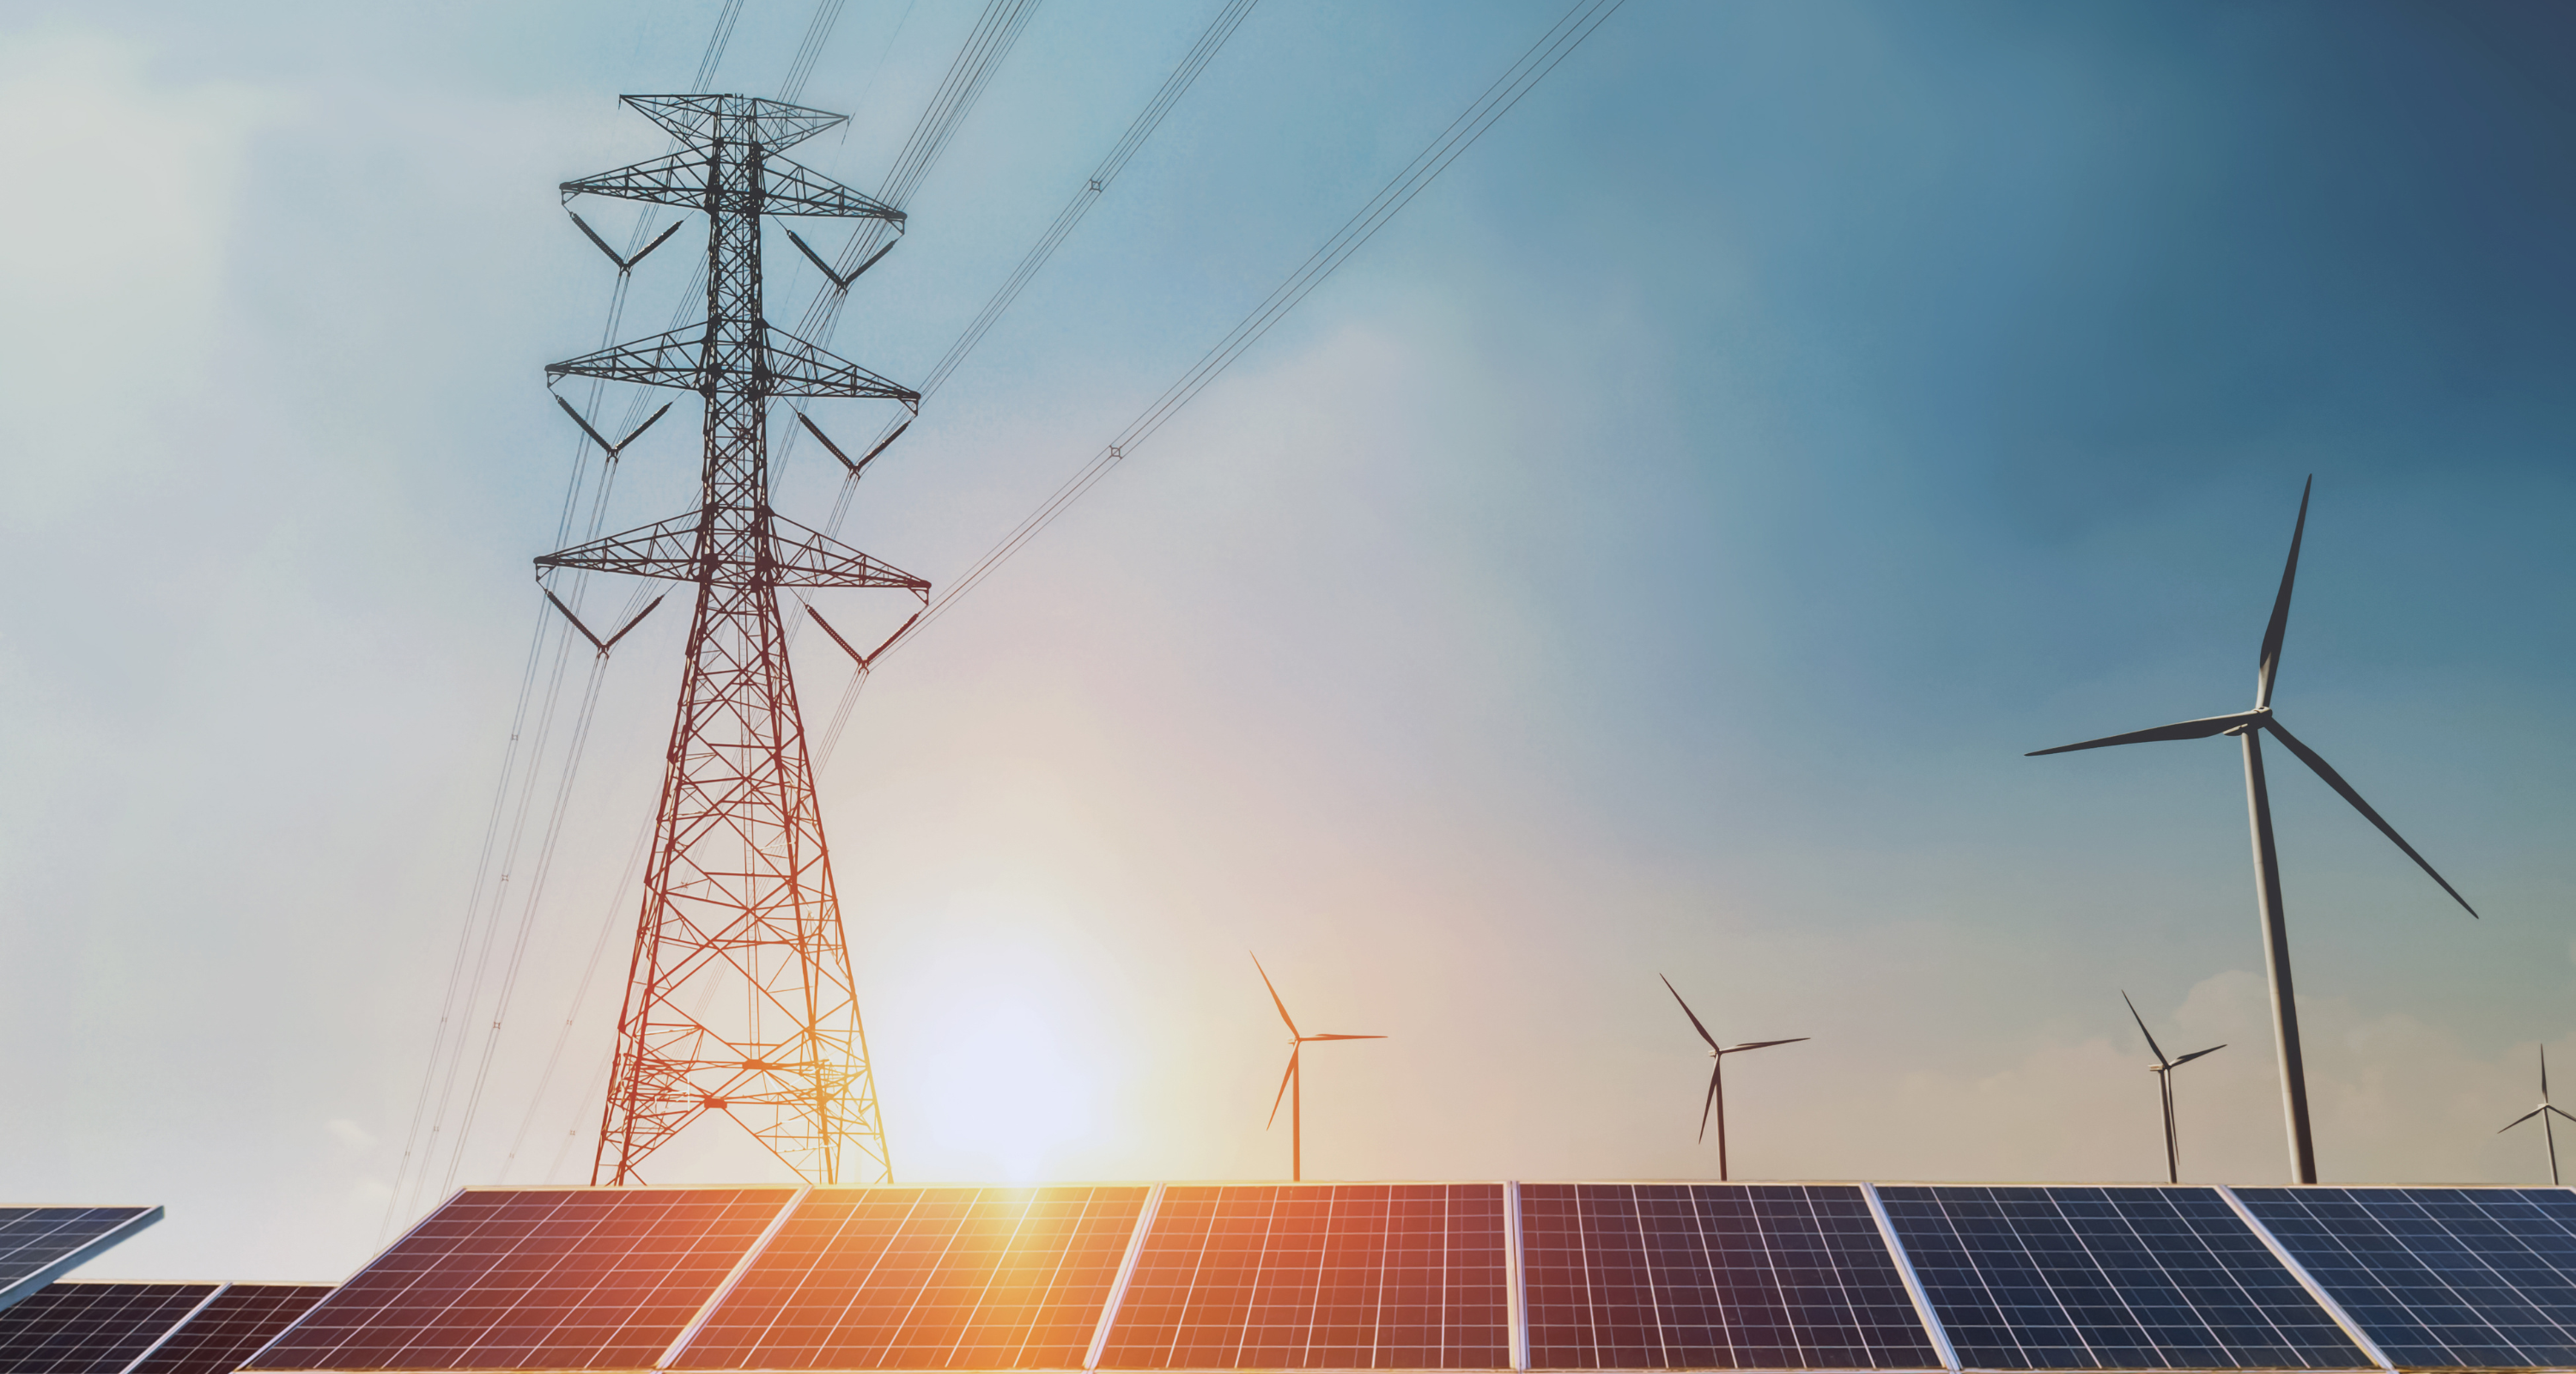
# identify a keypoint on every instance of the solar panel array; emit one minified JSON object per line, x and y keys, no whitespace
{"x":41,"y":1244}
{"x":1566,"y":1276}
{"x":2439,"y":1276}
{"x":1327,"y":1276}
{"x":147,"y":1328}
{"x":2109,"y":1278}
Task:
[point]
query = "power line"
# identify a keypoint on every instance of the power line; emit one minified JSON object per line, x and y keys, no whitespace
{"x":1497,"y":100}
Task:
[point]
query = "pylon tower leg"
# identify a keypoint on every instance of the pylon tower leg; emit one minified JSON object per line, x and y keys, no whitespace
{"x":740,"y":1000}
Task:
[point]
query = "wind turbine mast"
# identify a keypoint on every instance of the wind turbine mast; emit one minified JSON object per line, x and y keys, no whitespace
{"x":2163,"y":1070}
{"x":1293,"y":1085}
{"x":1717,"y":1054}
{"x":2544,"y":1111}
{"x":2249,"y":726}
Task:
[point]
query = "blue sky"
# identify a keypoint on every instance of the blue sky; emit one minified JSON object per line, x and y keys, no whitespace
{"x":1653,"y":553}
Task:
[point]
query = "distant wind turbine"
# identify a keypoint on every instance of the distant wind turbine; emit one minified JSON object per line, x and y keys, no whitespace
{"x":2544,"y":1111}
{"x":1291,"y":1086}
{"x":2163,"y":1070}
{"x":1717,"y":1073}
{"x":2249,"y":726}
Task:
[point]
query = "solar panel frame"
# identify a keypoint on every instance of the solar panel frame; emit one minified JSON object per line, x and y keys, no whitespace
{"x":1318,"y":1275}
{"x":517,"y":1278}
{"x":41,"y":1244}
{"x":2109,"y":1277}
{"x":2457,"y":1277}
{"x":94,"y":1328}
{"x":1714,"y":1276}
{"x":926,"y":1278}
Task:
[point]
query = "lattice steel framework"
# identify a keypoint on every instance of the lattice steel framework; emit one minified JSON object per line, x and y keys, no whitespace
{"x":740,"y":999}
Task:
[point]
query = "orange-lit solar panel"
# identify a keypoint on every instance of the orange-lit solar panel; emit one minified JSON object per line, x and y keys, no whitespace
{"x":232,"y":1328}
{"x":926,"y":1278}
{"x":1319,"y":1276}
{"x":92,"y":1328}
{"x":535,"y":1279}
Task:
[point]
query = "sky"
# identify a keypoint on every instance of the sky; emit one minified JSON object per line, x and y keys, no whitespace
{"x":1653,"y":553}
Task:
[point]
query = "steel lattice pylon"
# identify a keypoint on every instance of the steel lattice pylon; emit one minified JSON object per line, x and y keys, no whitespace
{"x":740,"y":999}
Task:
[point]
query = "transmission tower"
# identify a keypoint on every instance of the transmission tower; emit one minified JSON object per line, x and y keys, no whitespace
{"x":739,"y":1001}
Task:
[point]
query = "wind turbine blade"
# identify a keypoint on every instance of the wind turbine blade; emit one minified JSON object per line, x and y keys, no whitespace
{"x":2544,"y":1073}
{"x":2195,"y":1054}
{"x":1341,"y":1037}
{"x":2526,"y":1116}
{"x":1283,"y":1091}
{"x":1763,"y":1044}
{"x":1695,"y":1025}
{"x":2202,"y":728}
{"x":1274,"y":998}
{"x":2269,"y":665}
{"x":2335,"y":780}
{"x":2558,"y":1112}
{"x":2152,"y":1048}
{"x":1704,"y":1106}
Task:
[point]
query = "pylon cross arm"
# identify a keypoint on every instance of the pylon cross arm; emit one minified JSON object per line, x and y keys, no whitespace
{"x":674,"y":359}
{"x":798,"y":557}
{"x":695,"y":119}
{"x":798,"y":368}
{"x":678,"y":179}
{"x":790,"y":189}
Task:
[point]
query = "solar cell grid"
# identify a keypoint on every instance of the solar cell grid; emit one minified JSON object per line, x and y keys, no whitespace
{"x":2109,"y":1278}
{"x":1712,"y":1276}
{"x":40,"y":1244}
{"x":926,"y":1278}
{"x":91,"y":1328}
{"x":540,"y":1278}
{"x":232,"y":1328}
{"x":2439,"y":1277}
{"x":1319,"y":1276}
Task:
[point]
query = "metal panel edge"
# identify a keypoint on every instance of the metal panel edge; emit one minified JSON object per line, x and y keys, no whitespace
{"x":732,"y":1279}
{"x":177,"y":1326}
{"x":1126,"y":1270}
{"x":2306,"y":1280}
{"x":79,"y":1255}
{"x":1913,"y":1284}
{"x":1515,"y":1279}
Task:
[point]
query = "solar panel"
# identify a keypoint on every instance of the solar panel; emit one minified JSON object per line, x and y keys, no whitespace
{"x":241,"y":1319}
{"x":926,"y":1278}
{"x":2439,"y":1277}
{"x":2109,"y":1278}
{"x":1712,"y":1276}
{"x":1318,"y":1276}
{"x":92,"y":1328}
{"x":536,"y":1278}
{"x":41,"y":1244}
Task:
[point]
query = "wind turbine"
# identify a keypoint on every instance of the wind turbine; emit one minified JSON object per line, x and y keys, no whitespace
{"x":2163,"y":1070}
{"x":1297,"y":1042}
{"x":1717,"y":1073}
{"x":2249,"y":726}
{"x":2544,"y":1111}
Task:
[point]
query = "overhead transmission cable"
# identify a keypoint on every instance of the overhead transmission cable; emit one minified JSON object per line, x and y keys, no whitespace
{"x":1497,"y":100}
{"x":1176,"y":84}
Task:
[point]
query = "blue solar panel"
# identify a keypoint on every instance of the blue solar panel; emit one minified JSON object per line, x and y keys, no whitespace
{"x":1712,"y":1276}
{"x":2109,"y":1278}
{"x":41,"y":1244}
{"x":2439,"y":1277}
